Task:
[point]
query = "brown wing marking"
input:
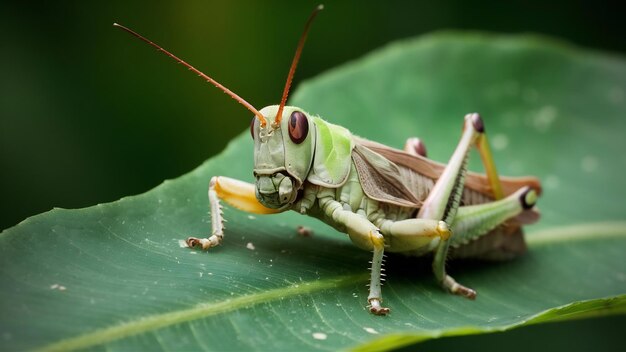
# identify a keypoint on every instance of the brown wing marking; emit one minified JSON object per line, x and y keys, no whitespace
{"x":432,"y":169}
{"x":381,"y":179}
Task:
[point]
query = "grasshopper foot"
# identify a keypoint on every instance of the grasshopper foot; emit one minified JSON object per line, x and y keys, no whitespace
{"x":376,"y":308}
{"x":465,"y":292}
{"x":455,"y":288}
{"x":203,"y":243}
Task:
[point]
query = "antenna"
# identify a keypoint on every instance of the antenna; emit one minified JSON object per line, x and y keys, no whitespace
{"x":294,"y":64}
{"x":195,"y":70}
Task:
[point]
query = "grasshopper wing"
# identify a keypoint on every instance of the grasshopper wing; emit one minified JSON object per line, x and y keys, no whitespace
{"x":383,"y":180}
{"x":432,"y":170}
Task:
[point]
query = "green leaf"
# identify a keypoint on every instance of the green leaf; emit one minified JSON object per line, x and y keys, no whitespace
{"x":115,"y":277}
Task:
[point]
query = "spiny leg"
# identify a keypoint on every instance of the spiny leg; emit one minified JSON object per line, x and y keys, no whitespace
{"x":444,"y":199}
{"x":237,"y":193}
{"x":364,"y":235}
{"x":470,"y":223}
{"x":473,"y":221}
{"x":375,"y":295}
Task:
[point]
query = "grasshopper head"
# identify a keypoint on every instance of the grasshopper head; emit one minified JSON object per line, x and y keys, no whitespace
{"x":283,"y":154}
{"x":283,"y":135}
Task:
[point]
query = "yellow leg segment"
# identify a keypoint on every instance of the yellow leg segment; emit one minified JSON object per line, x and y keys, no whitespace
{"x":490,"y":167}
{"x":240,"y":195}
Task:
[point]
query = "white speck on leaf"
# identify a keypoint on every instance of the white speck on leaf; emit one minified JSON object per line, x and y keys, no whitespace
{"x":552,"y":181}
{"x":320,"y":336}
{"x":371,"y":330}
{"x":251,"y":217}
{"x":516,"y":166}
{"x":58,"y":287}
{"x":543,"y":120}
{"x":589,"y":164}
{"x":250,"y":246}
{"x":500,"y":141}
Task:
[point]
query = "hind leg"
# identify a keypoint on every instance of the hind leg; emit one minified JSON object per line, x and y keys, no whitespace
{"x":474,"y":221}
{"x":470,"y":223}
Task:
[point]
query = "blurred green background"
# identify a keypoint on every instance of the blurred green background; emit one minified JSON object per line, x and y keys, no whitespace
{"x":89,"y":114}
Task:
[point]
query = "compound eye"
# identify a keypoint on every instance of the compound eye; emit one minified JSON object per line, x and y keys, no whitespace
{"x":298,"y":127}
{"x":252,"y":127}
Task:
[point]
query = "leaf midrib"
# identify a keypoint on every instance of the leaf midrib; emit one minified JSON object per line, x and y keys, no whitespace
{"x":158,"y":321}
{"x":154,"y":322}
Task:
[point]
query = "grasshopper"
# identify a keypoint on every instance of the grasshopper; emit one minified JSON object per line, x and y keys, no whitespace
{"x":384,"y":199}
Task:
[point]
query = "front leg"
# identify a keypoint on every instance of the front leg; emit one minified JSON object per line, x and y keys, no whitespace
{"x":240,"y":195}
{"x":364,"y":235}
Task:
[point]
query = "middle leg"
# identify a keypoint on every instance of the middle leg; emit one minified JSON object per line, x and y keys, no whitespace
{"x":364,"y":235}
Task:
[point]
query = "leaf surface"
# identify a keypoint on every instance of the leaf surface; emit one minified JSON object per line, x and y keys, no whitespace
{"x":114,"y":276}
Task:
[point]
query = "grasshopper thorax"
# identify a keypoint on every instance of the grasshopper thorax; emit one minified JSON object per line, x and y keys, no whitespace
{"x":283,"y":154}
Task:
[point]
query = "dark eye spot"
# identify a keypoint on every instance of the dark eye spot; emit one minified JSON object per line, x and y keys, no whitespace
{"x":252,"y":127}
{"x":298,"y":127}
